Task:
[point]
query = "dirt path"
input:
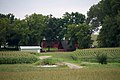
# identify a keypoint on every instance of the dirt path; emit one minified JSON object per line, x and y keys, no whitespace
{"x":72,"y":66}
{"x":44,"y":57}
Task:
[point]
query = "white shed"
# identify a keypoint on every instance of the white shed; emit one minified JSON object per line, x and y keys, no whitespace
{"x":30,"y":48}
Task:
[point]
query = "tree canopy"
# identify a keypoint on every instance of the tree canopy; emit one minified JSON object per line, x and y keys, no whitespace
{"x":36,"y":26}
{"x":74,"y":27}
{"x":106,"y":14}
{"x":80,"y":33}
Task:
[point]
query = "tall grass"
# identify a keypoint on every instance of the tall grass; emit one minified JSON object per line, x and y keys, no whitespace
{"x":63,"y":74}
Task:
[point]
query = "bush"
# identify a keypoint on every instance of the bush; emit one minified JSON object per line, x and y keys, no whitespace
{"x":48,"y":61}
{"x":102,"y":58}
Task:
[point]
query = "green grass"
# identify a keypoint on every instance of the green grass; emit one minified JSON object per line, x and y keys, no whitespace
{"x":51,"y":49}
{"x":60,"y":56}
{"x":9,"y":57}
{"x":89,"y":55}
{"x":97,"y":65}
{"x":94,"y":38}
{"x":49,"y":61}
{"x":84,"y":57}
{"x":30,"y":72}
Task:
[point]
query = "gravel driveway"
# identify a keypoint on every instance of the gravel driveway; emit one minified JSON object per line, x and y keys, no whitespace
{"x":72,"y":66}
{"x":44,"y":57}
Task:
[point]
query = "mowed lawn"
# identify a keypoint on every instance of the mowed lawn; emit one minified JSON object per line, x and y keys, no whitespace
{"x":90,"y":71}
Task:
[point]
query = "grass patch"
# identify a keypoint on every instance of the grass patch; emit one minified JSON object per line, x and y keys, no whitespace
{"x":89,"y":55}
{"x":90,"y":71}
{"x":48,"y":61}
{"x":97,"y":65}
{"x":94,"y":38}
{"x":29,"y":72}
{"x":17,"y":57}
{"x":86,"y":55}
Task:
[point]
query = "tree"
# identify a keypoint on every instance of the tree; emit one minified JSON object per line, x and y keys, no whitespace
{"x":80,"y":33}
{"x":36,"y":26}
{"x":23,"y":31}
{"x":13,"y":34}
{"x":95,"y":16}
{"x":57,"y":27}
{"x":6,"y":26}
{"x":118,"y":29}
{"x":4,"y":23}
{"x":106,"y":14}
{"x":107,"y":37}
{"x":73,"y":18}
{"x":19,"y":33}
{"x":77,"y":30}
{"x":84,"y":36}
{"x":52,"y":31}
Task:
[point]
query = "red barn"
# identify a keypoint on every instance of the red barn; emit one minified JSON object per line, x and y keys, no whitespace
{"x":60,"y":45}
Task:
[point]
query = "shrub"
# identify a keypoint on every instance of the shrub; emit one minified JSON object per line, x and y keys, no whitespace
{"x":102,"y":58}
{"x":48,"y":61}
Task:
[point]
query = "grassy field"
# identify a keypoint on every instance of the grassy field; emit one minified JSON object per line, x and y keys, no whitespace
{"x":86,"y":55}
{"x":28,"y":72}
{"x":90,"y":71}
{"x":94,"y":38}
{"x":9,"y":57}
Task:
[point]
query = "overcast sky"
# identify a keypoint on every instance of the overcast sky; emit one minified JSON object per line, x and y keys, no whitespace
{"x":55,"y":7}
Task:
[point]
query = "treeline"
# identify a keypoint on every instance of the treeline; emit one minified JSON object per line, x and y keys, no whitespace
{"x":72,"y":26}
{"x":35,"y":27}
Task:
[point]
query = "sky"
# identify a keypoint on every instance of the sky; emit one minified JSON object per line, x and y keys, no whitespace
{"x":57,"y":8}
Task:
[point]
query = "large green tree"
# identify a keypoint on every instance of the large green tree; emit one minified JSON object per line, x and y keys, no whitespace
{"x":80,"y":33}
{"x":72,"y":18}
{"x":77,"y":30}
{"x":36,"y":26}
{"x":4,"y":23}
{"x":20,"y":31}
{"x":106,"y":14}
{"x":52,"y":31}
{"x":6,"y":28}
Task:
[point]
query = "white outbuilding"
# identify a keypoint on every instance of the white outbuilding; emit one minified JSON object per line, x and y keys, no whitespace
{"x":30,"y":48}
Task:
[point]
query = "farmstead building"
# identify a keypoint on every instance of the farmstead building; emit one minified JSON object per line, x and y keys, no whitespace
{"x":62,"y":45}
